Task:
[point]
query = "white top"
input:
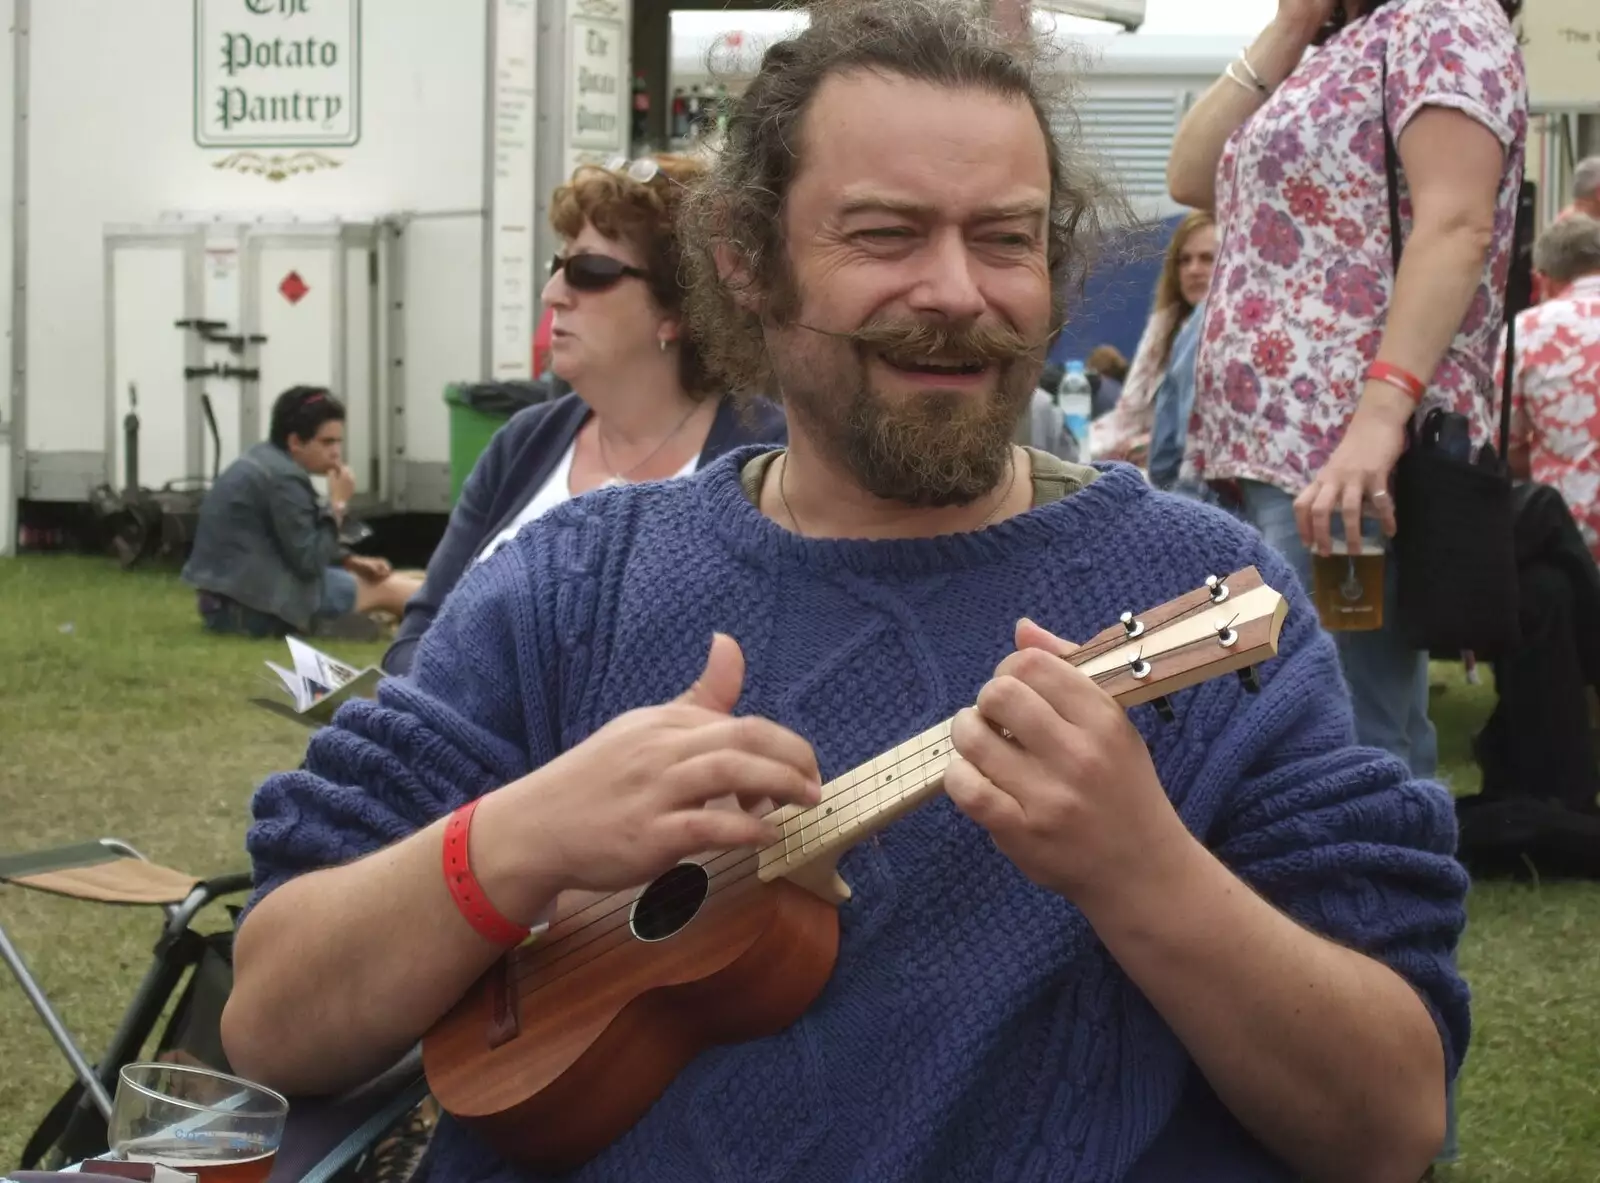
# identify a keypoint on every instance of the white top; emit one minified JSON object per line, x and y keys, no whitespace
{"x":556,"y":489}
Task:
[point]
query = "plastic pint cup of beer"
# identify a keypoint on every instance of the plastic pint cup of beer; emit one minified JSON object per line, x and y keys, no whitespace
{"x":1347,"y":586}
{"x":218,"y":1128}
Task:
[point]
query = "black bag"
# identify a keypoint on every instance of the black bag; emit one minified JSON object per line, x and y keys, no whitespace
{"x":1453,"y":547}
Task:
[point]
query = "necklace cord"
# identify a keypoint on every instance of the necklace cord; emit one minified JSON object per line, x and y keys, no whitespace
{"x":783,"y":496}
{"x":605,"y":459}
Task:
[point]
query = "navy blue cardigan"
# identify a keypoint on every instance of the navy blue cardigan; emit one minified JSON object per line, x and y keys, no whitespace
{"x":517,"y":462}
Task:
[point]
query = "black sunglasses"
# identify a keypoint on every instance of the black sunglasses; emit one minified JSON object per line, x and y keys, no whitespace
{"x":594,"y":273}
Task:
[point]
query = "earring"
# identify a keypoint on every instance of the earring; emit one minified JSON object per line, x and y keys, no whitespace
{"x":662,"y":341}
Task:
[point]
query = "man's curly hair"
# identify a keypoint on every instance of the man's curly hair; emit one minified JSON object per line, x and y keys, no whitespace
{"x":739,"y":205}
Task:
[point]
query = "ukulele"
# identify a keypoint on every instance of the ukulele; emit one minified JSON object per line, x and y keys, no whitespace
{"x":568,"y":1039}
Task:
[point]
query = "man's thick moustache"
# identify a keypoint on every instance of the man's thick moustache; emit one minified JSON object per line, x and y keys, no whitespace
{"x":977,"y":343}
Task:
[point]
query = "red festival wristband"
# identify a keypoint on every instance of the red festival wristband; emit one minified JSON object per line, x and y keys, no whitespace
{"x":465,"y":889}
{"x":1402,"y":380}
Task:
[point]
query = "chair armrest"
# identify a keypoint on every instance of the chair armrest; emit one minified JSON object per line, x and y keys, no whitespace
{"x":326,"y":1134}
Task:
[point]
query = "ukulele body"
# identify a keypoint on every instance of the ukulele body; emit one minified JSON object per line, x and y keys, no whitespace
{"x":562,"y":1046}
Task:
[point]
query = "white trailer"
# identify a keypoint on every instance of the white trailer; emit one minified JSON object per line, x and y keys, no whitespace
{"x":230,"y":197}
{"x":12,"y":443}
{"x":223,"y":198}
{"x":355,"y":193}
{"x":1133,"y":92}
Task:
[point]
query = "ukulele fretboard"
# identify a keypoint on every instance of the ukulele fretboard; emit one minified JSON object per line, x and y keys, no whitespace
{"x":866,"y":798}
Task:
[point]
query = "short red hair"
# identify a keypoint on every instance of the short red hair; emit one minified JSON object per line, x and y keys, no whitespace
{"x":643,"y":214}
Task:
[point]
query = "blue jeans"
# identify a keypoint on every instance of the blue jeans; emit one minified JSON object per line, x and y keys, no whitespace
{"x":223,"y":615}
{"x":1388,"y":680}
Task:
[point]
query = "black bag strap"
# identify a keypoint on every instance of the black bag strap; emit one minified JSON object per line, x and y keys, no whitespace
{"x":1518,"y":283}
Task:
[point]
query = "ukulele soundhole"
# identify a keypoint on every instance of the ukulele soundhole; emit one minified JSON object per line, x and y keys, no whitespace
{"x":670,"y":902}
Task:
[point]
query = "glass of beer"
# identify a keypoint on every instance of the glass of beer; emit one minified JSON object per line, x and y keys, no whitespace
{"x":1347,"y":586}
{"x":218,"y":1128}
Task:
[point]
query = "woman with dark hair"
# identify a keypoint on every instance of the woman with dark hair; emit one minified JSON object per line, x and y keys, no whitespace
{"x":643,"y":406}
{"x":1185,"y":279}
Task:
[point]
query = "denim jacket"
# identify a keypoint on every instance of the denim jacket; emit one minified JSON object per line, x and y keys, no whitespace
{"x":263,"y":539}
{"x":1174,"y":403}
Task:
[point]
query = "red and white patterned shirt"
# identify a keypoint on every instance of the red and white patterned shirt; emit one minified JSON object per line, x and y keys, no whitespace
{"x":1555,"y":399}
{"x":1304,"y":270}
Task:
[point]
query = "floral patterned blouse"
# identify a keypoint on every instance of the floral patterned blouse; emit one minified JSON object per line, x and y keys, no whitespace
{"x":1555,"y":399}
{"x":1304,"y":269}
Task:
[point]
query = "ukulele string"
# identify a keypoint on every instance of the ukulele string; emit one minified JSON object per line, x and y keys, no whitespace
{"x":717,"y":879}
{"x":850,"y":788}
{"x":566,"y":942}
{"x":824,"y":831}
{"x":920,"y":759}
{"x":1114,"y":641}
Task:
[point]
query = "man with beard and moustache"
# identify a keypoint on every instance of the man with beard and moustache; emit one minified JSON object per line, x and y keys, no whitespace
{"x":1215,"y":948}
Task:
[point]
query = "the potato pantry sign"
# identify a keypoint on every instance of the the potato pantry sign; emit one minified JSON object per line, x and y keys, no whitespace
{"x":277,"y":73}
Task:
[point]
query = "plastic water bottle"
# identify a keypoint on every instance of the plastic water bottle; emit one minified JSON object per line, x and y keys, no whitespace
{"x":1076,"y":398}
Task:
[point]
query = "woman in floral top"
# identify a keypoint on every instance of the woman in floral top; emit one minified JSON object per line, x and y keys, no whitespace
{"x":1291,"y":416}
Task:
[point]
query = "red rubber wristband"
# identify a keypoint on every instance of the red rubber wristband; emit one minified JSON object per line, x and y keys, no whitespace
{"x":465,"y":889}
{"x":1402,"y":380}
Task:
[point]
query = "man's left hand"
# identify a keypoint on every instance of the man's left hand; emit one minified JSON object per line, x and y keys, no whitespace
{"x":1071,"y":796}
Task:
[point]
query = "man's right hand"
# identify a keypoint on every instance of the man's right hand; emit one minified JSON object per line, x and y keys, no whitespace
{"x":631,"y":801}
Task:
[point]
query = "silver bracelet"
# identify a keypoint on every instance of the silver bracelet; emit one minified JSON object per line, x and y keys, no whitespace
{"x":1240,"y":82}
{"x":1244,"y":60}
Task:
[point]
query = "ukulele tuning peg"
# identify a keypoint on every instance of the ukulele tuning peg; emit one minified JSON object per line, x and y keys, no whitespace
{"x":1131,"y":626}
{"x":1164,"y":710}
{"x":1251,"y":680}
{"x":1218,"y":589}
{"x":1227,"y":637}
{"x":1139,"y":668}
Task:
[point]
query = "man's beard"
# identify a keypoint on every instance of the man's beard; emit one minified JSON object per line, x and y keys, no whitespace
{"x":932,"y":448}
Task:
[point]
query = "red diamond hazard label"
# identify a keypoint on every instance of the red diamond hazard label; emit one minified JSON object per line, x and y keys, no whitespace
{"x":294,"y":288}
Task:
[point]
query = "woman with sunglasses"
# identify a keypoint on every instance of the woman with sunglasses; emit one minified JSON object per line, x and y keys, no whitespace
{"x":642,"y":407}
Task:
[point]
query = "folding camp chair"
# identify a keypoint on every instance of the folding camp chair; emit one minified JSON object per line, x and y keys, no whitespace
{"x":326,"y":1140}
{"x":112,"y":872}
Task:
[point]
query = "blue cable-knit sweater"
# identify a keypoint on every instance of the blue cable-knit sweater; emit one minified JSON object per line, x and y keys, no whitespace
{"x":974,"y":1028}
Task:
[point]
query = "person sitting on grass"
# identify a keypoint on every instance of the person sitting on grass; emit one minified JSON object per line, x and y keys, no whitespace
{"x":267,"y":559}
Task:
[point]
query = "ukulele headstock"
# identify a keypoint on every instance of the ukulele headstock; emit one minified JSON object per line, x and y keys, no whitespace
{"x":1231,"y":624}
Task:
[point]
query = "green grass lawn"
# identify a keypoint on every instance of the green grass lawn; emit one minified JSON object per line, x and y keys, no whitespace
{"x":119,"y":716}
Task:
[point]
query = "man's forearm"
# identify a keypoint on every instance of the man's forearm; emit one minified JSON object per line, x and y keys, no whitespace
{"x":339,"y":972}
{"x":1327,"y":1056}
